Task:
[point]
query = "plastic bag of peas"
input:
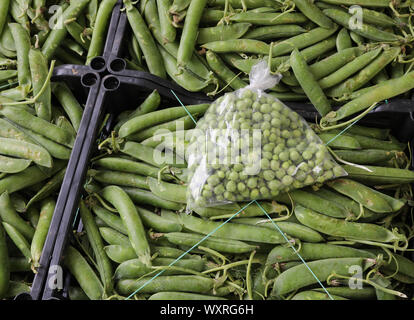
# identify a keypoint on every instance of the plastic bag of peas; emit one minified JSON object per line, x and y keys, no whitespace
{"x":250,"y":146}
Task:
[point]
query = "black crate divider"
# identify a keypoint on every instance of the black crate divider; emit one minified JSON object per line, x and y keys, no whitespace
{"x":85,"y":82}
{"x":92,"y":117}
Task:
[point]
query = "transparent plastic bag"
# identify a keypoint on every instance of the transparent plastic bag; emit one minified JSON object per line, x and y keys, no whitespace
{"x":250,"y":146}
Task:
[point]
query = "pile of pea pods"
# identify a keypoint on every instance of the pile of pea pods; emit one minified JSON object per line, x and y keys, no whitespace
{"x":345,"y":53}
{"x":139,"y":242}
{"x":39,"y":120}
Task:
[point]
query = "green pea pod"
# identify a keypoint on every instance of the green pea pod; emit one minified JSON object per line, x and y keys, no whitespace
{"x":69,"y":103}
{"x":268,"y":19}
{"x":144,"y":197}
{"x":9,"y":215}
{"x":133,"y":269}
{"x":366,"y":3}
{"x":25,"y":150}
{"x":136,"y":233}
{"x":302,"y":40}
{"x":150,"y":104}
{"x":313,"y":13}
{"x":366,"y":156}
{"x":42,"y":228}
{"x":352,"y":207}
{"x":38,"y":125}
{"x":18,"y":239}
{"x":238,"y":45}
{"x":274,"y":32}
{"x":112,"y":220}
{"x":309,"y":84}
{"x":189,"y":35}
{"x":56,"y":150}
{"x":179,"y":5}
{"x":365,"y":30}
{"x":377,"y":133}
{"x":95,"y":240}
{"x":326,"y":66}
{"x":223,"y":72}
{"x":247,"y":4}
{"x":120,"y":253}
{"x":339,"y":142}
{"x":33,"y":216}
{"x":196,"y":284}
{"x":182,"y":296}
{"x":292,"y":229}
{"x":341,"y":228}
{"x":212,"y":242}
{"x":222,"y":32}
{"x":232,"y":231}
{"x":180,"y":124}
{"x":26,"y":178}
{"x":384,"y":90}
{"x":39,"y":71}
{"x":299,"y":276}
{"x":58,"y":34}
{"x":98,"y":36}
{"x":362,"y":194}
{"x":149,"y":48}
{"x":349,"y":69}
{"x":4,"y":9}
{"x":22,"y":41}
{"x":314,"y":251}
{"x":168,"y":191}
{"x":314,"y":295}
{"x":154,"y":221}
{"x":184,"y":78}
{"x":366,"y":293}
{"x":167,"y":29}
{"x":147,"y":120}
{"x":114,"y":237}
{"x":83,"y":273}
{"x":5,"y":265}
{"x":118,"y":178}
{"x":79,"y":34}
{"x":380,"y":175}
{"x":13,"y":165}
{"x":195,"y":64}
{"x":365,"y":75}
{"x":126,"y":165}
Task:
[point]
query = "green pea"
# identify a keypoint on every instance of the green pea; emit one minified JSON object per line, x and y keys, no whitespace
{"x":264,"y":191}
{"x":207,"y":193}
{"x":285,"y":165}
{"x":254,"y":194}
{"x":219,"y":189}
{"x":241,"y":186}
{"x":264,"y":164}
{"x":274,"y":165}
{"x":284,"y":156}
{"x":294,"y":155}
{"x":231,"y":186}
{"x":220,"y":174}
{"x":287,"y":180}
{"x":268,"y":175}
{"x":252,"y":183}
{"x":286,"y":134}
{"x":280,"y":173}
{"x":307,"y":155}
{"x":274,"y":185}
